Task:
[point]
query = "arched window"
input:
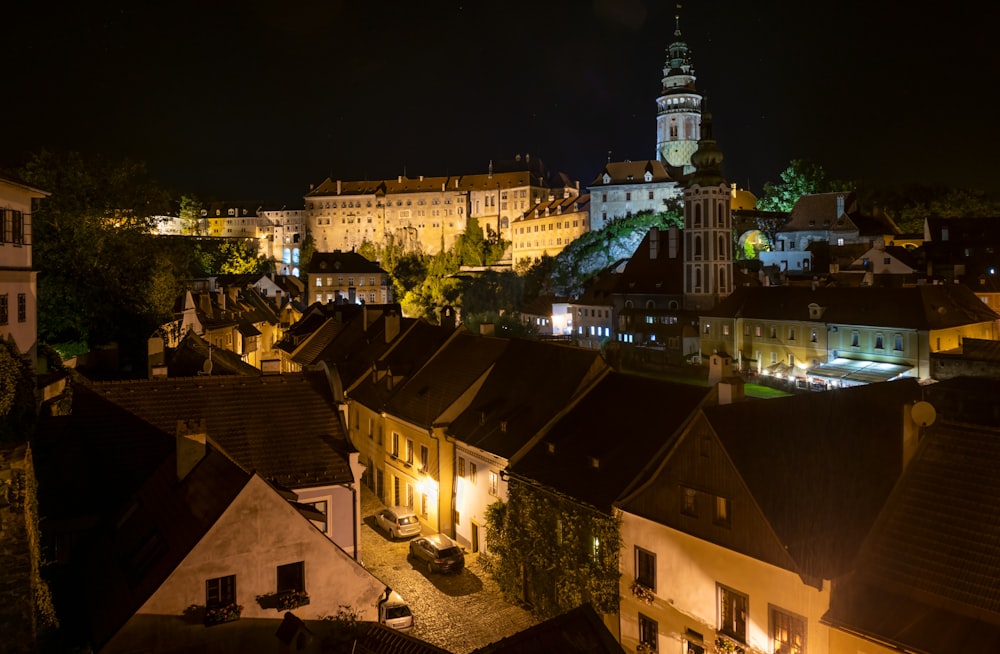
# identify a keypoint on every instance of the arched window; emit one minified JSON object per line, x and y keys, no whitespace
{"x":722,"y":280}
{"x":650,"y":304}
{"x":697,"y":215}
{"x":720,"y":214}
{"x":722,"y":254}
{"x":697,"y":247}
{"x":697,"y":280}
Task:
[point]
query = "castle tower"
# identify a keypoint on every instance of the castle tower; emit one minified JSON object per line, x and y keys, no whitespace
{"x":708,"y":227}
{"x":678,"y":109}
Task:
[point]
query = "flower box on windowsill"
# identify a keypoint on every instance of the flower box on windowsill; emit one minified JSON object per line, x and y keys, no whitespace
{"x":291,"y":599}
{"x":642,"y":593}
{"x":220,"y":614}
{"x":725,"y":645}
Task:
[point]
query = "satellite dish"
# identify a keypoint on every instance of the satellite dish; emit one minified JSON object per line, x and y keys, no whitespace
{"x":923,"y":414}
{"x":207,"y":367}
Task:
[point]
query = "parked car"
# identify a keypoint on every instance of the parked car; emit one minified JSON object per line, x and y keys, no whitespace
{"x":438,"y":553}
{"x":398,"y":522}
{"x":394,"y":612}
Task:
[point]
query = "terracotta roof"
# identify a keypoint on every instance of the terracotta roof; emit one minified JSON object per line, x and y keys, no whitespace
{"x":651,"y":270}
{"x":925,"y":307}
{"x":632,"y":172}
{"x":578,"y":631}
{"x":932,"y":563}
{"x":189,"y":357}
{"x":376,"y":638}
{"x":820,"y":487}
{"x":529,"y":384}
{"x":283,"y":426}
{"x":594,"y":451}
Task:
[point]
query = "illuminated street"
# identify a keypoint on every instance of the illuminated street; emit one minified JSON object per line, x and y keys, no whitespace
{"x":457,"y":612}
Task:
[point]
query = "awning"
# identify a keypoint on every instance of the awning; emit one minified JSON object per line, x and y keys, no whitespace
{"x":858,"y":372}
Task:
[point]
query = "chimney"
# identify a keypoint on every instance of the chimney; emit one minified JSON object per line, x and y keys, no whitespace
{"x":673,"y":241}
{"x":487,"y":329}
{"x":391,"y":326}
{"x":338,"y":187}
{"x":191,"y":437}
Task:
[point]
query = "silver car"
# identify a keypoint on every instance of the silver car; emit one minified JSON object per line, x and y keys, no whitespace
{"x":398,"y":522}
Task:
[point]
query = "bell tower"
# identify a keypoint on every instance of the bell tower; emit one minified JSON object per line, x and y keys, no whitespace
{"x":678,"y":109}
{"x":708,"y":227}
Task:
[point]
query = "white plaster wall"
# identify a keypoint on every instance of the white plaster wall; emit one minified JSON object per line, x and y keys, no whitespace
{"x":687,"y":570}
{"x":258,"y":532}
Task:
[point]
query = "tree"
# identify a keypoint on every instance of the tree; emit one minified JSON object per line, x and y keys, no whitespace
{"x":190,"y":216}
{"x":802,"y":177}
{"x":553,"y":550}
{"x":92,"y":243}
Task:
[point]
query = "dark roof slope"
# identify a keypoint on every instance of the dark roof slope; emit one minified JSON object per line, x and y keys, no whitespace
{"x":529,"y":384}
{"x":445,"y":377}
{"x":283,"y":426}
{"x":578,"y":631}
{"x":338,"y":262}
{"x":929,"y":577}
{"x":601,"y":444}
{"x":657,"y":265}
{"x":930,"y":306}
{"x":190,"y":356}
{"x":119,"y":474}
{"x":820,"y":465}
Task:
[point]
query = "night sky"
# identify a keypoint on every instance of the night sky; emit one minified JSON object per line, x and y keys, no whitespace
{"x":257,"y":100}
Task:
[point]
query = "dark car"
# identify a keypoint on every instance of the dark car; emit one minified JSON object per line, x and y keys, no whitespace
{"x":438,"y":553}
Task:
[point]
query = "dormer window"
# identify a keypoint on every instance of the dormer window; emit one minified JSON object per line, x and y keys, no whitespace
{"x":648,"y":176}
{"x":607,"y":178}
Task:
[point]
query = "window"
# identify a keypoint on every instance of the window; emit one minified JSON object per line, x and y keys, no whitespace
{"x":472,"y":472}
{"x":756,"y":330}
{"x":855,"y":339}
{"x":879,"y":343}
{"x":723,"y":510}
{"x":409,"y":496}
{"x":812,"y":336}
{"x":725,"y":330}
{"x":292,"y":576}
{"x":689,"y":501}
{"x":424,"y":457}
{"x":423,"y":504}
{"x":3,"y":225}
{"x":461,"y":466}
{"x":494,"y":483}
{"x":788,"y":632}
{"x":395,"y":444}
{"x":220,"y":591}
{"x":409,"y":451}
{"x":395,"y":490}
{"x":645,"y":568}
{"x":648,"y":632}
{"x":694,"y":641}
{"x":897,"y":344}
{"x":3,"y":309}
{"x":791,"y":333}
{"x":774,"y":332}
{"x":16,"y":227}
{"x":732,"y":613}
{"x":321,"y":508}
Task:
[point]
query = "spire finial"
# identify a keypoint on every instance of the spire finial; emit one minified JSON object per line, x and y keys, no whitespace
{"x":677,"y":20}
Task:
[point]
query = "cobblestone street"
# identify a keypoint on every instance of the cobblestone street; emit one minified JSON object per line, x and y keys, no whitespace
{"x":456,"y":612}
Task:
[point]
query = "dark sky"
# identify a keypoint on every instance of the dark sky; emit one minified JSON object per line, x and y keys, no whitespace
{"x":257,"y":100}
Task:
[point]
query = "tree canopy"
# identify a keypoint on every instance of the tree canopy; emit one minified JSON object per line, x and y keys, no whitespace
{"x":802,"y":177}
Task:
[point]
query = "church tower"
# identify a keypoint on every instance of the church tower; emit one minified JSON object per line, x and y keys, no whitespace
{"x":708,"y":227}
{"x":678,"y":109}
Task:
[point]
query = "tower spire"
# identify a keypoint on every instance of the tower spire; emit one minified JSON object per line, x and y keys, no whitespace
{"x":678,"y":109}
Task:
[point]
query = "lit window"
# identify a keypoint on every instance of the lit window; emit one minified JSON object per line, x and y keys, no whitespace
{"x":461,"y":466}
{"x":722,"y":511}
{"x":494,"y":483}
{"x":409,"y":451}
{"x":472,"y":472}
{"x":788,"y":632}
